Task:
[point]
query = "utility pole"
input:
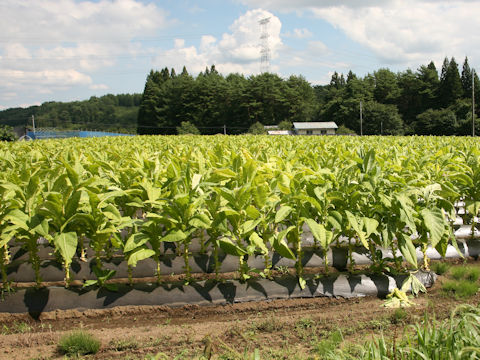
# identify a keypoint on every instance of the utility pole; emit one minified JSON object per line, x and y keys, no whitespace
{"x":224,"y":129}
{"x":361,"y":119}
{"x":473,"y":103}
{"x":33,"y":124}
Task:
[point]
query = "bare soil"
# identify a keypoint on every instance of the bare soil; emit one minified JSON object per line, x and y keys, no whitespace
{"x":280,"y":329}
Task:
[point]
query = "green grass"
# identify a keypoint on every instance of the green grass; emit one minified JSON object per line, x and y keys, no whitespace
{"x":440,"y":268}
{"x":78,"y":343}
{"x":458,"y":272}
{"x":463,"y":281}
{"x":461,"y":289}
{"x":456,"y":338}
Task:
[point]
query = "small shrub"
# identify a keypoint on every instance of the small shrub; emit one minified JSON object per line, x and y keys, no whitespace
{"x":399,"y":315}
{"x":79,"y":343}
{"x":304,"y":323}
{"x":257,"y":129}
{"x":473,"y":274}
{"x":327,"y":346}
{"x":458,"y":272}
{"x":440,"y":268}
{"x":461,"y":289}
{"x":123,"y":345}
{"x":187,"y":128}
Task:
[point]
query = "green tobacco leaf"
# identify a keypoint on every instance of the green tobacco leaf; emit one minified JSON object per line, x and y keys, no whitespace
{"x":196,"y":180}
{"x":252,"y":212}
{"x":370,"y":225}
{"x":201,"y":221}
{"x":407,"y":249}
{"x":352,"y":220}
{"x":473,"y":207}
{"x":323,"y":236}
{"x":140,"y":254}
{"x":174,"y":236}
{"x":66,"y":245}
{"x":258,"y":242}
{"x":281,"y":246}
{"x":282,"y":213}
{"x":19,"y":218}
{"x":335,"y":219}
{"x":434,"y":222}
{"x":135,"y":241}
{"x":249,"y":225}
{"x":230,"y":248}
{"x":72,"y":204}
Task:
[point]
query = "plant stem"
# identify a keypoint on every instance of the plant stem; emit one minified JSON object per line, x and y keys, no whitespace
{"x":186,"y":260}
{"x":158,"y":273}
{"x":34,"y":260}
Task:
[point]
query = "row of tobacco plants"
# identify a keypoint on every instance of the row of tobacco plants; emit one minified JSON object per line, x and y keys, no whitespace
{"x":241,"y":195}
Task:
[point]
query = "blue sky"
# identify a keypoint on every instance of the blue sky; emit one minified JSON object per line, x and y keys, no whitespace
{"x":64,"y":50}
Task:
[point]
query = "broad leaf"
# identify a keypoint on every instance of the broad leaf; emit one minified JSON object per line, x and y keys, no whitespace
{"x":434,"y":222}
{"x":228,"y":247}
{"x":138,"y":255}
{"x":323,"y":236}
{"x":282,"y":213}
{"x":66,"y":245}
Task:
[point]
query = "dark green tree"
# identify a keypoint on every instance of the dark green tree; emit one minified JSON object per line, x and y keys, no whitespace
{"x":450,"y":88}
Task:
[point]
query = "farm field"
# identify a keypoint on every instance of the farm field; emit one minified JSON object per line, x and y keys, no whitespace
{"x":281,"y":329}
{"x":84,"y":206}
{"x":143,"y":197}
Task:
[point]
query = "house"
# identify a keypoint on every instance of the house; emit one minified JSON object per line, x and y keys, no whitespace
{"x":315,"y":128}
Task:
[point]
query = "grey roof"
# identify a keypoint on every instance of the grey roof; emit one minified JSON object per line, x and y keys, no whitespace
{"x":315,"y":125}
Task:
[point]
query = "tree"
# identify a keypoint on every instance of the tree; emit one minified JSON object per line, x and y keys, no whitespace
{"x":381,"y":119}
{"x":257,"y":129}
{"x":343,"y":130}
{"x":285,"y":125}
{"x":466,"y":79}
{"x":436,"y":122}
{"x":450,"y":88}
{"x":6,"y":133}
{"x":187,"y":128}
{"x":386,"y":89}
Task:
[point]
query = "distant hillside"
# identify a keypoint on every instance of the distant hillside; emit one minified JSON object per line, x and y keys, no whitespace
{"x":109,"y":112}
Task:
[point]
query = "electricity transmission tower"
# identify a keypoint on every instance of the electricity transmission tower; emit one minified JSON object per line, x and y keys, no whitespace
{"x":265,"y":49}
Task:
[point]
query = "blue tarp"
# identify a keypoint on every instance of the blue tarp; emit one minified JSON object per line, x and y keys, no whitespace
{"x":52,"y":134}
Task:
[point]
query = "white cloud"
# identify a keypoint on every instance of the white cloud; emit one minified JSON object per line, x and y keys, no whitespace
{"x":299,"y":33}
{"x":407,"y":32}
{"x":46,"y":45}
{"x":236,"y":51}
{"x":99,"y":87}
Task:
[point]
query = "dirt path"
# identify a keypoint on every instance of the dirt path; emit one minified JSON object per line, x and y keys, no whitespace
{"x":282,"y":329}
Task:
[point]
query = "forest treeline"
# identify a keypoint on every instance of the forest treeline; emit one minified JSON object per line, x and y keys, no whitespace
{"x":108,"y":112}
{"x":424,"y":102}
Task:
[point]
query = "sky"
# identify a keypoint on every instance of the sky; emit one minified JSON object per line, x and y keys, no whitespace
{"x":67,"y":50}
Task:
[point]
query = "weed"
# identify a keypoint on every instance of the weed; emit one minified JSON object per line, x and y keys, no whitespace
{"x":16,"y":328}
{"x":328,"y":345}
{"x":304,"y":323}
{"x":440,"y":268}
{"x":458,"y":272}
{"x":473,"y":274}
{"x":284,"y":270}
{"x":461,"y":289}
{"x":79,"y":343}
{"x":268,"y":325}
{"x":123,"y":345}
{"x":399,"y":316}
